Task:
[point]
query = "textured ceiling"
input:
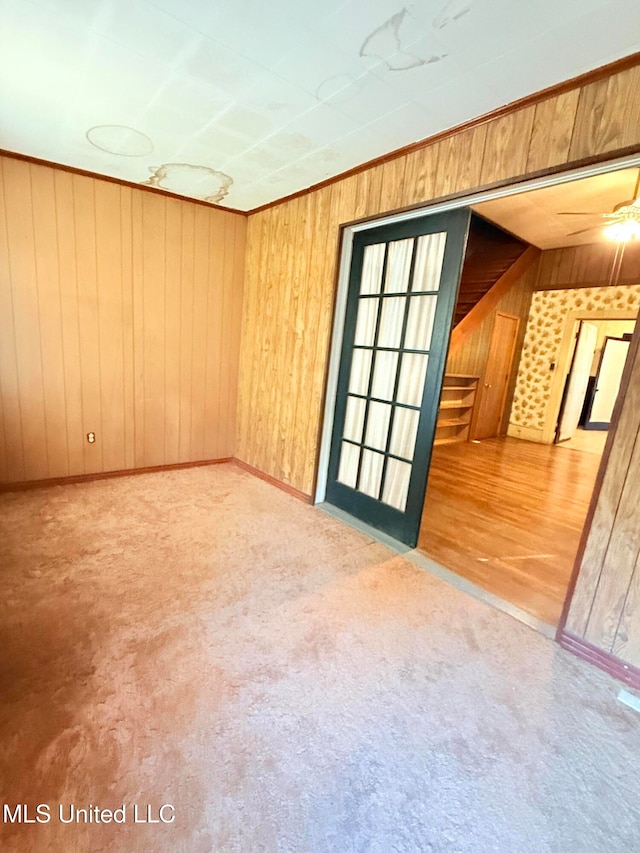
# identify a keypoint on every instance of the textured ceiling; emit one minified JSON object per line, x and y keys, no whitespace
{"x":242,"y":102}
{"x":548,"y":218}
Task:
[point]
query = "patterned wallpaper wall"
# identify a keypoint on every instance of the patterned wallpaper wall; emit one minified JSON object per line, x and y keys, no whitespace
{"x":545,"y":329}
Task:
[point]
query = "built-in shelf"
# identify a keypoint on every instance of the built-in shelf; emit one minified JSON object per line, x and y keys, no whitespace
{"x":450,"y":422}
{"x":456,"y":408}
{"x":456,"y":388}
{"x":454,"y":404}
{"x":453,"y":440}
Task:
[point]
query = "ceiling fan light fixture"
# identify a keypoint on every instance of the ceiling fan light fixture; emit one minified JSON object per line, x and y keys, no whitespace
{"x":624,"y":231}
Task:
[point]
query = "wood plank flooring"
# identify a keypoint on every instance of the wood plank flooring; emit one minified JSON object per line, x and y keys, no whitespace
{"x":507,"y":515}
{"x":587,"y":440}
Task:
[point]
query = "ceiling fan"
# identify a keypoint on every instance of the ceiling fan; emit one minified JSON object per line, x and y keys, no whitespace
{"x":622,"y":224}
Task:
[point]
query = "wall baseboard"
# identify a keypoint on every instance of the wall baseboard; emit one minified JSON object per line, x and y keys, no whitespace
{"x":129,"y":472}
{"x":106,"y":475}
{"x":290,"y":490}
{"x":526,"y":433}
{"x":625,"y":672}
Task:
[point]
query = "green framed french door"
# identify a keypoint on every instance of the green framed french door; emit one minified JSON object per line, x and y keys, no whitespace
{"x":403,"y":285}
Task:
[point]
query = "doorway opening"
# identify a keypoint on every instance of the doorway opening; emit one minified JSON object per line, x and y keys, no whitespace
{"x":505,"y":507}
{"x":597,"y":358}
{"x":491,"y":407}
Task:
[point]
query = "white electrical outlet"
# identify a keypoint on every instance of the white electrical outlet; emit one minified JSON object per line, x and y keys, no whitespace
{"x":91,"y":437}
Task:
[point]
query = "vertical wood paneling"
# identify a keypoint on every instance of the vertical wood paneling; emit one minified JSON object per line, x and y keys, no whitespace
{"x":171,"y":353}
{"x":26,"y":318}
{"x":460,"y":161}
{"x":217,"y":311}
{"x":111,"y":328}
{"x":557,"y":131}
{"x":393,"y":176}
{"x":12,"y":465}
{"x":201,"y":272}
{"x":153,"y":326}
{"x":606,"y":520}
{"x":608,"y":115}
{"x":291,"y":309}
{"x":619,"y":560}
{"x":627,"y":640}
{"x":48,"y":282}
{"x":185,"y":354}
{"x":137,"y":298}
{"x":553,"y":123}
{"x":127,"y":324}
{"x":88,"y":326}
{"x":246,"y":376}
{"x":586,"y":266}
{"x":506,"y":147}
{"x":368,"y":188}
{"x":322,"y":267}
{"x":119,"y":314}
{"x":70,"y":327}
{"x":602,"y":608}
{"x":419,"y":178}
{"x":586,"y":130}
{"x":237,"y":298}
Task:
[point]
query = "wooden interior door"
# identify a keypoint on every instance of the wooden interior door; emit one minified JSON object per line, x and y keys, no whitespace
{"x":577,"y":381}
{"x":495,"y":382}
{"x":403,"y":285}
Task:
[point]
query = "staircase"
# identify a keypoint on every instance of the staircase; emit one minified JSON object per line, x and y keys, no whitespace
{"x":495,"y":260}
{"x":490,"y":253}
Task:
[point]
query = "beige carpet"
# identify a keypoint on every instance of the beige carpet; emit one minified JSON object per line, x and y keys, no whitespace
{"x":200,"y":639}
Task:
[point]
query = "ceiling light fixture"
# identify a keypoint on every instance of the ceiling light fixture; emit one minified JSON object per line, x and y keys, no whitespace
{"x":625,"y":228}
{"x":625,"y":224}
{"x":621,"y":225}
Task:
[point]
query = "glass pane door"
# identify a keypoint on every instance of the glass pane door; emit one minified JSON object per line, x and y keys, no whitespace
{"x":403,"y":285}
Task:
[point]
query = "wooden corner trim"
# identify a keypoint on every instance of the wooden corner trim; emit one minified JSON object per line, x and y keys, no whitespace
{"x":625,"y":672}
{"x":26,"y":485}
{"x":85,"y":173}
{"x":285,"y":487}
{"x":603,"y":71}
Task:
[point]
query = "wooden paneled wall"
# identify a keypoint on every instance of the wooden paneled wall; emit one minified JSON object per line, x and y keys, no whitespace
{"x":605,"y":608}
{"x":471,"y":356}
{"x":120,"y":315}
{"x":292,"y":251}
{"x":587,"y":266}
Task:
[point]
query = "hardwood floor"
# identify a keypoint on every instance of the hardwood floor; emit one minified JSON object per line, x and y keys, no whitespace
{"x":589,"y":441}
{"x":507,"y":515}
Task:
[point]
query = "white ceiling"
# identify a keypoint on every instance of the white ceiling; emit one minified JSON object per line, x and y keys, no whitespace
{"x":245,"y":101}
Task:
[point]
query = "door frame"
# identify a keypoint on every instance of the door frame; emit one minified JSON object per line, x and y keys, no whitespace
{"x":563,"y":364}
{"x":346,"y":234}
